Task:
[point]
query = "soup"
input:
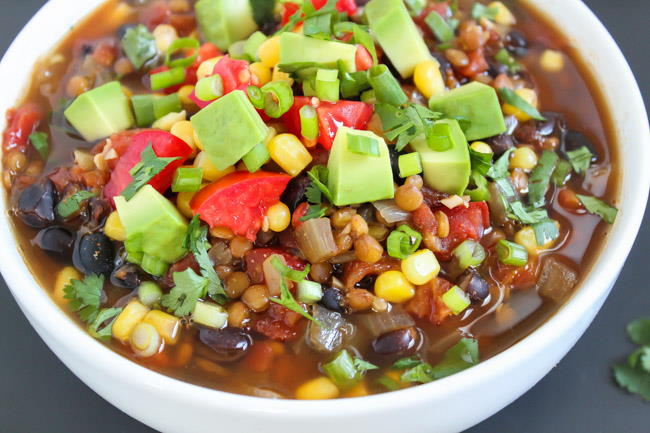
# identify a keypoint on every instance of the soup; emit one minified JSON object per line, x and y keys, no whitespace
{"x":332,"y":199}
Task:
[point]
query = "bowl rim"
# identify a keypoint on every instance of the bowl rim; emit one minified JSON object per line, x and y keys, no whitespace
{"x":38,"y":306}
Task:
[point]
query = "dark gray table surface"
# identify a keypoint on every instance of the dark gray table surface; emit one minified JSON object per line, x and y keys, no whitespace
{"x":39,"y":394}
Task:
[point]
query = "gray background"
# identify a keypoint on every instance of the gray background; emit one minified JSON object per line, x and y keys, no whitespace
{"x":38,"y":394}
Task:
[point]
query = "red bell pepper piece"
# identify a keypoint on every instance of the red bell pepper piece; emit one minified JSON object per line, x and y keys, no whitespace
{"x":235,"y":75}
{"x":239,"y":200}
{"x":164,"y":145}
{"x":22,"y":122}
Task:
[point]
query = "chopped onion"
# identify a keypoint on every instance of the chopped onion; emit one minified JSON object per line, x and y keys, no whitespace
{"x":453,"y":201}
{"x":272,"y":276}
{"x":332,"y":335}
{"x":380,"y":323}
{"x":315,"y":240}
{"x":390,"y":211}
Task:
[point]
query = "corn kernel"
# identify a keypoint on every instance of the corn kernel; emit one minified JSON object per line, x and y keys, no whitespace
{"x":420,"y":267}
{"x":206,"y":68}
{"x":261,"y":71}
{"x":393,"y":286}
{"x":552,"y":61}
{"x":528,"y":95}
{"x":113,"y":227}
{"x":428,"y":79}
{"x":358,"y":390}
{"x":279,"y":217}
{"x":503,"y":16}
{"x":210,"y":172}
{"x":183,"y":203}
{"x":320,"y":388}
{"x":269,"y":51}
{"x":168,"y":326}
{"x":164,"y":35}
{"x":527,"y":239}
{"x":184,"y":131}
{"x":289,"y":153}
{"x":127,"y":320}
{"x":481,"y":147}
{"x":63,"y":278}
{"x":184,"y":95}
{"x":524,"y":158}
{"x":168,"y":120}
{"x":278,"y":75}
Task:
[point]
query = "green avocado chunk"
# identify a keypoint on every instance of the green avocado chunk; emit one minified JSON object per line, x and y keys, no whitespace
{"x":100,"y":112}
{"x":252,"y":45}
{"x":223,"y":22}
{"x":397,"y":34}
{"x":446,"y":171}
{"x":358,"y":178}
{"x":229,"y":128}
{"x":295,"y":48}
{"x":155,"y":230}
{"x":475,"y":102}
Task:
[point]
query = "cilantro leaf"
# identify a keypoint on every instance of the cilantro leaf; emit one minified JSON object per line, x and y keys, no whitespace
{"x":598,"y":207}
{"x":409,"y":362}
{"x":634,"y":380}
{"x":71,"y":204}
{"x":481,"y":162}
{"x":196,"y":241}
{"x":540,"y":178}
{"x":106,"y":331}
{"x":139,"y":45}
{"x":84,"y":297}
{"x":640,"y":358}
{"x":580,"y":159}
{"x":545,"y":231}
{"x":288,"y":301}
{"x":526,"y":216}
{"x":639,"y":331}
{"x":40,"y":143}
{"x":145,"y":170}
{"x":319,"y":175}
{"x":499,"y":169}
{"x":363,"y":366}
{"x":561,"y":173}
{"x":406,"y":123}
{"x":510,"y":97}
{"x":189,"y":287}
{"x":461,"y":356}
{"x":314,"y":211}
{"x":287,"y":272}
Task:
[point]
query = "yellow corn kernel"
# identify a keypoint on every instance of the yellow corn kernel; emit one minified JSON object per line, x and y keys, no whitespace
{"x":530,"y":96}
{"x":503,"y":15}
{"x":289,"y":153}
{"x":183,"y":203}
{"x":393,"y":286}
{"x":168,"y":326}
{"x":261,"y":71}
{"x":396,"y":376}
{"x":358,"y":390}
{"x":269,"y":51}
{"x":164,"y":35}
{"x":552,"y":61}
{"x":63,"y":278}
{"x":279,"y":217}
{"x":428,"y":79}
{"x":523,"y":158}
{"x":184,"y":95}
{"x":184,"y":131}
{"x":278,"y":75}
{"x":527,"y":239}
{"x":168,"y":120}
{"x":320,"y":388}
{"x":127,"y":320}
{"x":113,"y":227}
{"x":481,"y":147}
{"x":210,"y":172}
{"x":420,"y":267}
{"x":206,"y":68}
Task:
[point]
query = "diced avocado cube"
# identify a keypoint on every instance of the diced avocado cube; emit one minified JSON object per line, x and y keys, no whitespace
{"x":478,"y":104}
{"x":397,"y":34}
{"x":357,"y":178}
{"x":446,"y":171}
{"x":409,"y":164}
{"x":223,"y":22}
{"x":155,"y":229}
{"x":252,"y":45}
{"x":100,"y":112}
{"x":295,"y":48}
{"x":143,"y":109}
{"x":256,"y":158}
{"x":229,"y":128}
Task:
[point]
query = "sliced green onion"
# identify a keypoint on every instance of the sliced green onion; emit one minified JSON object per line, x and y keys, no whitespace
{"x":309,"y":292}
{"x":209,"y":88}
{"x":540,"y":178}
{"x":182,"y":44}
{"x":236,"y":50}
{"x":440,"y":28}
{"x":168,"y":78}
{"x":256,"y":96}
{"x":561,"y":174}
{"x":369,"y":97}
{"x":342,"y":371}
{"x":387,"y":88}
{"x":149,"y":293}
{"x":511,"y":253}
{"x":481,"y":192}
{"x":256,"y":157}
{"x":403,"y":242}
{"x":598,"y":207}
{"x":187,"y":179}
{"x":153,"y":265}
{"x":40,"y":143}
{"x":504,"y":57}
{"x":164,"y":105}
{"x":318,"y":26}
{"x":143,"y":109}
{"x":580,"y":159}
{"x":363,"y":145}
{"x":409,"y":164}
{"x":509,"y":96}
{"x":366,"y":40}
{"x":415,"y":6}
{"x":71,"y":204}
{"x":469,"y":254}
{"x":327,"y":85}
{"x":438,"y":136}
{"x":210,"y":314}
{"x":456,"y":300}
{"x":353,"y":83}
{"x":481,"y":11}
{"x":308,"y":122}
{"x":253,"y":44}
{"x":278,"y":98}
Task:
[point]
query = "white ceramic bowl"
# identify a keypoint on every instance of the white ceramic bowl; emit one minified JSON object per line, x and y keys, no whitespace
{"x":170,"y":405}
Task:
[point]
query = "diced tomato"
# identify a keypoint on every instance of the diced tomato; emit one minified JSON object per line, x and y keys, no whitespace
{"x":363,"y":59}
{"x":163,"y":144}
{"x":442,"y":8}
{"x":22,"y":122}
{"x":256,"y":257}
{"x":427,"y":303}
{"x":289,"y":8}
{"x":207,"y":51}
{"x":331,"y":116}
{"x":477,"y":64}
{"x":464,"y":223}
{"x":235,"y":75}
{"x":260,"y":357}
{"x":347,"y":6}
{"x":240,"y":200}
{"x":277,"y":323}
{"x":155,"y":13}
{"x":300,"y":212}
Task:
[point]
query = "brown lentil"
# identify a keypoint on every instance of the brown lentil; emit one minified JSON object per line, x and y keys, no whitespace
{"x":457,"y":58}
{"x":321,"y":272}
{"x":367,"y":249}
{"x":15,"y":161}
{"x":408,"y":198}
{"x":443,"y":224}
{"x":256,"y":298}
{"x":359,"y":299}
{"x":236,"y":283}
{"x":342,"y":217}
{"x":238,"y":314}
{"x":569,"y":200}
{"x":240,"y":246}
{"x":77,"y":85}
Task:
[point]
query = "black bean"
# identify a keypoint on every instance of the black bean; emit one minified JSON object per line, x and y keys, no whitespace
{"x":294,"y":194}
{"x":228,"y":344}
{"x":496,"y":68}
{"x":93,"y":254}
{"x":337,"y":270}
{"x":127,"y":276}
{"x":575,"y":140}
{"x":121,"y":31}
{"x":332,"y":299}
{"x":516,"y":43}
{"x":474,"y":285}
{"x":366,"y":282}
{"x":500,"y":143}
{"x":56,"y":240}
{"x":399,"y":342}
{"x":36,"y":204}
{"x":394,"y":164}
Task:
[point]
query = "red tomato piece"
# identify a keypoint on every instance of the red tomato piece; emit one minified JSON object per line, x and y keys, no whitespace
{"x":464,"y":223}
{"x":277,"y":323}
{"x":363,"y":58}
{"x":22,"y":122}
{"x":477,"y":64}
{"x":235,"y":75}
{"x":240,"y":200}
{"x":347,"y":6}
{"x":163,"y":144}
{"x":300,"y":212}
{"x":255,"y":258}
{"x":155,"y":13}
{"x":427,"y":303}
{"x":289,"y":8}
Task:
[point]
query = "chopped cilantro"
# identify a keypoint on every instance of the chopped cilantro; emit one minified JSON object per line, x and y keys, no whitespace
{"x":639,"y":331}
{"x":405,"y":123}
{"x":580,"y":159}
{"x":561,"y":174}
{"x":363,"y":366}
{"x":499,"y":169}
{"x":545,"y":231}
{"x":139,"y":45}
{"x":409,"y":362}
{"x":289,"y":273}
{"x":40,"y":143}
{"x":598,"y":207}
{"x":462,"y":355}
{"x":106,"y":331}
{"x":510,"y":97}
{"x":318,"y":175}
{"x":540,"y":178}
{"x":189,"y":288}
{"x":314,"y":211}
{"x":84,"y":297}
{"x":145,"y":170}
{"x":289,"y":302}
{"x":196,"y":241}
{"x":526,"y":216}
{"x":363,"y":38}
{"x":71,"y":204}
{"x":634,"y":375}
{"x":481,"y":162}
